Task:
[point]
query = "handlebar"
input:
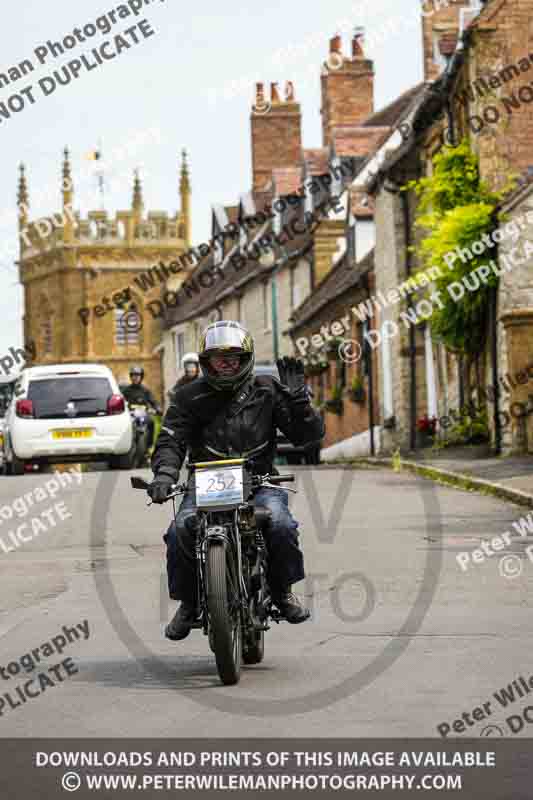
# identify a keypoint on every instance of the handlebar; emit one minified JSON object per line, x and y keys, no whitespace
{"x":281,"y":479}
{"x":176,"y":488}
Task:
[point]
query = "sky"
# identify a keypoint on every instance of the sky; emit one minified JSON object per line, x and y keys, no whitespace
{"x":189,"y":85}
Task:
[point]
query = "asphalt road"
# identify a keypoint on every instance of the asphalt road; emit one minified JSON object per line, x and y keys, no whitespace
{"x":401,"y":639}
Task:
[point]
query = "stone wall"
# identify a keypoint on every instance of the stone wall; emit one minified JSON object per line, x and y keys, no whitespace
{"x":515,"y":332}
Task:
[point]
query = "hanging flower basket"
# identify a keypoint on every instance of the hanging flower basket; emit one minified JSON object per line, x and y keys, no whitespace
{"x":357,"y":391}
{"x":335,"y":404}
{"x":316,"y":367}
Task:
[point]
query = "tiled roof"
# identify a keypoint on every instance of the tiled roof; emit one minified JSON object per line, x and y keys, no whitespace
{"x":389,"y":115}
{"x":340,"y":279}
{"x":351,"y":140}
{"x":206,"y":299}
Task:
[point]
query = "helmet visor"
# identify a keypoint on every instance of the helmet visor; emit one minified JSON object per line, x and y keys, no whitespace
{"x":225,"y":337}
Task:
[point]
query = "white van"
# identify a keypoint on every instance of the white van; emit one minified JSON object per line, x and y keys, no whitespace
{"x":67,"y":413}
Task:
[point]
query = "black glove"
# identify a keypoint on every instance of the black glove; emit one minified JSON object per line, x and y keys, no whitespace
{"x":291,"y":373}
{"x":159,"y":489}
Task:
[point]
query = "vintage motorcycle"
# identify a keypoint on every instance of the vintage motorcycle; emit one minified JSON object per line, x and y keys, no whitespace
{"x":234,"y":602}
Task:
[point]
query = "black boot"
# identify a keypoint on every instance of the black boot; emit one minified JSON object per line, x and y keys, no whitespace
{"x":181,"y":623}
{"x":291,"y":608}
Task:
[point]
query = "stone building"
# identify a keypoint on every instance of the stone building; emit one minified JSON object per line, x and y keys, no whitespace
{"x":324,"y":319}
{"x":284,"y":173}
{"x":84,"y":279}
{"x":514,"y":330}
{"x":475,"y":56}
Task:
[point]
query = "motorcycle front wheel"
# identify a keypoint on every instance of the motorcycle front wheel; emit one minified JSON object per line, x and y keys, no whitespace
{"x":223,"y":605}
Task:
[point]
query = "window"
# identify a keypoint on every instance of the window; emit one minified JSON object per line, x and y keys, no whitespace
{"x":127,"y":325}
{"x":86,"y":396}
{"x":179,"y":347}
{"x":295,"y":290}
{"x":46,"y":335}
{"x":240,"y":309}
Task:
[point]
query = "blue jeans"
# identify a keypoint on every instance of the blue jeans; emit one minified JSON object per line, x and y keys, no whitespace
{"x":285,"y":559}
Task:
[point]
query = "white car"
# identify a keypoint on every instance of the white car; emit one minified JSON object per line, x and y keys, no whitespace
{"x":67,"y":413}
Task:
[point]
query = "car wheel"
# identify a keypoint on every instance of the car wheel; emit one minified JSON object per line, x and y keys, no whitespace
{"x":17,"y":466}
{"x":127,"y":461}
{"x":313,"y":457}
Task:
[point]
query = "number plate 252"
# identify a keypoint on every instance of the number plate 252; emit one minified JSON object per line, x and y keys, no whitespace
{"x":219,"y":487}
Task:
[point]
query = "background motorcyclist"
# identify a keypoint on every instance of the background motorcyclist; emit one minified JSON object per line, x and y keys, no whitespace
{"x":190,"y":364}
{"x":191,"y":368}
{"x":138,"y":394}
{"x":229,"y":412}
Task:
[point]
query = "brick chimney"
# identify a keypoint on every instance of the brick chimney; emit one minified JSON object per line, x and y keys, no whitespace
{"x":347,"y":86}
{"x":440,"y":33}
{"x":276,"y":132}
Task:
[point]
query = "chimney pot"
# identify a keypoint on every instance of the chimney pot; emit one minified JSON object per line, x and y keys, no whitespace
{"x":357,"y":43}
{"x":259,"y":94}
{"x":289,"y":92}
{"x":274,"y":94}
{"x":335,"y":44}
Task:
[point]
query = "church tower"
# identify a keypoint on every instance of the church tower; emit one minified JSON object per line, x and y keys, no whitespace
{"x":88,"y":282}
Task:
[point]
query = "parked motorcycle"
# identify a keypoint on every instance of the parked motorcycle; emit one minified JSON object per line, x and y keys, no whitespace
{"x":234,"y":602}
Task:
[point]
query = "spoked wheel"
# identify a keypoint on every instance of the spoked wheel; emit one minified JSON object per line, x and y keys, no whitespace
{"x":224,"y":612}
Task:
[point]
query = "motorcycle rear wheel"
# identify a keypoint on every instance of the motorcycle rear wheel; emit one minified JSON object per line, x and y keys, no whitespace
{"x":224,"y":613}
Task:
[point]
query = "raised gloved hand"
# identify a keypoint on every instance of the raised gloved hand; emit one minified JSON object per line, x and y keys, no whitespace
{"x":160,"y":487}
{"x":291,"y":373}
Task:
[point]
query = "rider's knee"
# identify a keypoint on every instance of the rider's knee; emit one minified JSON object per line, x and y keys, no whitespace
{"x":184,"y":524}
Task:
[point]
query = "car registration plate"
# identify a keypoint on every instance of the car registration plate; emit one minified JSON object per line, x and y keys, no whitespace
{"x":221,"y":486}
{"x":72,"y":434}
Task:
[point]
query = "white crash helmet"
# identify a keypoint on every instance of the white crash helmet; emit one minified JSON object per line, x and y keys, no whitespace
{"x":190,"y":358}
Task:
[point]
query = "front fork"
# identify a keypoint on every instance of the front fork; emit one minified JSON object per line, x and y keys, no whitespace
{"x":204,"y":535}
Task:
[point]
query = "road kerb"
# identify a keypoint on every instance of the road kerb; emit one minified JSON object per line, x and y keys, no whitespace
{"x":457,"y":479}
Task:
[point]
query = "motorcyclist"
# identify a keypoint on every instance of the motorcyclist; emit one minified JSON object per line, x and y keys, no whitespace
{"x":191,"y":370}
{"x":138,"y":394}
{"x":229,"y":412}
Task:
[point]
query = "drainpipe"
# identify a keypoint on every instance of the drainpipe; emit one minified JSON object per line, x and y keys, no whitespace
{"x":370,"y":370}
{"x":404,"y":199}
{"x":493,"y":327}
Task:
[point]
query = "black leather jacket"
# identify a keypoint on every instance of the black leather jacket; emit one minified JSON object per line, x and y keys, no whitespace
{"x":138,"y":394}
{"x":214,"y":425}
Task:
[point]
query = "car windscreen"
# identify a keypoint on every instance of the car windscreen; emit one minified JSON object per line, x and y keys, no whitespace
{"x":57,"y":398}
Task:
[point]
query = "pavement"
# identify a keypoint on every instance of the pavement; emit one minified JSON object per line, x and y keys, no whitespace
{"x":509,"y":477}
{"x":401,"y":640}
